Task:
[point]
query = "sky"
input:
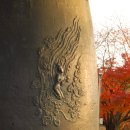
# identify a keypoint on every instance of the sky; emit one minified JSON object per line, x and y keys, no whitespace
{"x":105,"y":12}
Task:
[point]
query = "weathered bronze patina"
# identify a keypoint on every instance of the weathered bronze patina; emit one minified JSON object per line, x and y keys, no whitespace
{"x":47,"y":63}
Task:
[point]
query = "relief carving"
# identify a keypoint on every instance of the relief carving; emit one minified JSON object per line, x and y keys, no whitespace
{"x":58,"y":83}
{"x":59,"y":80}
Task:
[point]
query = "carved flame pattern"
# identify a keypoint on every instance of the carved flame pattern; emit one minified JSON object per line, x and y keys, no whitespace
{"x":59,"y":92}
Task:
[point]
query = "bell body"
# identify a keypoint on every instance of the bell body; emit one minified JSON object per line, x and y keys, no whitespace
{"x":48,"y":68}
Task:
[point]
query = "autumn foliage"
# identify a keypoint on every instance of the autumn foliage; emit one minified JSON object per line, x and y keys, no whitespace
{"x":115,"y":95}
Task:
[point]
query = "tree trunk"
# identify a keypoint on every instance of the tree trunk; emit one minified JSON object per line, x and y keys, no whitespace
{"x":48,"y":75}
{"x":117,"y":127}
{"x":112,"y":126}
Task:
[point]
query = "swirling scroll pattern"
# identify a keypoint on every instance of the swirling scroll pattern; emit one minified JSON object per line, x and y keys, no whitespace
{"x":55,"y":57}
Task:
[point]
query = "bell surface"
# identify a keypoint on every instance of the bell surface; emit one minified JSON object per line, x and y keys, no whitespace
{"x":48,"y":73}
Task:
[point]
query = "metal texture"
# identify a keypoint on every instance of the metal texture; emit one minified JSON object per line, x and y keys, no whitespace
{"x":59,"y":92}
{"x":47,"y":66}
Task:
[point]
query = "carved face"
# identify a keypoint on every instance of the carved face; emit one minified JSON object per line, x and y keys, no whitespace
{"x":60,"y":69}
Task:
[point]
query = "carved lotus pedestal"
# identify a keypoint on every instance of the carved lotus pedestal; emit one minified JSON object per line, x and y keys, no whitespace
{"x":47,"y":63}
